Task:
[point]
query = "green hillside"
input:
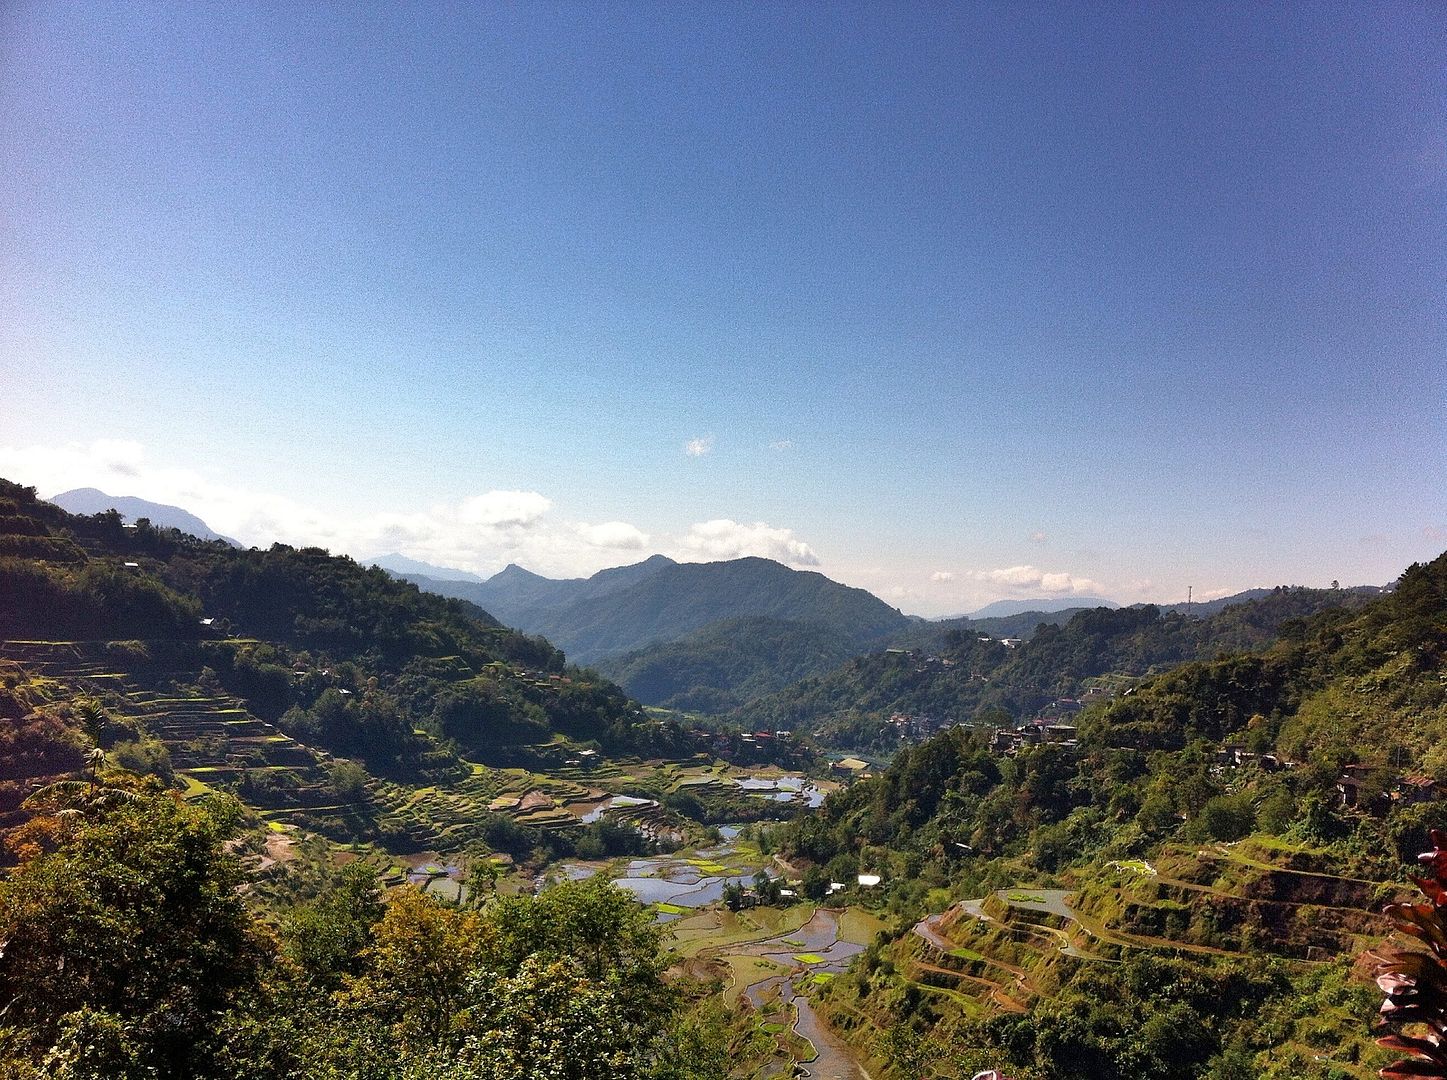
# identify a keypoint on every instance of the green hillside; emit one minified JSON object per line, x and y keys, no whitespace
{"x":726,"y":663}
{"x":1181,"y":892}
{"x":1184,"y":892}
{"x":260,"y":672}
{"x":970,"y":675}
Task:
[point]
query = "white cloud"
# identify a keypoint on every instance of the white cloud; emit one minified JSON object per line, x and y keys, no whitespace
{"x":55,"y":469}
{"x":495,"y":508}
{"x":614,"y":534}
{"x":123,"y":457}
{"x":1013,"y":576}
{"x":479,"y":533}
{"x":782,"y":444}
{"x":121,"y":467}
{"x":725,"y":539}
{"x":698,"y":445}
{"x":1213,"y":594}
{"x":1030,"y":579}
{"x":942,"y":575}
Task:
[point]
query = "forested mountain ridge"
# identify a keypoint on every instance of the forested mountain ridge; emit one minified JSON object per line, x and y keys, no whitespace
{"x":628,"y":608}
{"x":1349,"y":685}
{"x":1003,"y":609}
{"x":1386,"y":660}
{"x":346,"y":657}
{"x":733,"y":664}
{"x":519,"y":597}
{"x":930,"y":634}
{"x":971,"y":673}
{"x":721,"y":665}
{"x":727,"y":664}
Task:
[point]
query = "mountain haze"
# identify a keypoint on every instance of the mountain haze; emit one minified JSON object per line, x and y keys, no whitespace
{"x":400,"y":565}
{"x":1004,"y":608}
{"x":132,"y":509}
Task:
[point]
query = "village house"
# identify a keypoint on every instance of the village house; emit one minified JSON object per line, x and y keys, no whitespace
{"x":1419,"y":789}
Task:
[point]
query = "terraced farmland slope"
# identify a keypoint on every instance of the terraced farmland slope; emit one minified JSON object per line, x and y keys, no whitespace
{"x":1181,"y":888}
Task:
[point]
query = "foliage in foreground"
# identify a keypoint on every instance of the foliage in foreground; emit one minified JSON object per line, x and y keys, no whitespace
{"x":1414,"y":1014}
{"x":128,"y":952}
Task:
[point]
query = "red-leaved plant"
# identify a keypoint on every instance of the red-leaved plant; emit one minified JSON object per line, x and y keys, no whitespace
{"x":1415,"y":982}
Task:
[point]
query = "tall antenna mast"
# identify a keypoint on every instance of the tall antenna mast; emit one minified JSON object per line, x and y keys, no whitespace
{"x":1188,"y":599}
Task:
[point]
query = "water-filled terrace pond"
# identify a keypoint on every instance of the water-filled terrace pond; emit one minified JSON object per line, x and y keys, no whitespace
{"x":673,"y":881}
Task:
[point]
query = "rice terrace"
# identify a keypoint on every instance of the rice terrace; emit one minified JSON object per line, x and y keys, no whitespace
{"x":757,"y":541}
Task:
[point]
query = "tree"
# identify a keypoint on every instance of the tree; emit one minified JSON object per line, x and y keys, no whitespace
{"x":326,"y":938}
{"x":766,"y":888}
{"x":548,"y":1020}
{"x":602,"y":928}
{"x":133,"y":926}
{"x":570,"y":986}
{"x":816,"y":883}
{"x":420,"y":958}
{"x":733,"y":895}
{"x":696,"y":1046}
{"x":348,"y":780}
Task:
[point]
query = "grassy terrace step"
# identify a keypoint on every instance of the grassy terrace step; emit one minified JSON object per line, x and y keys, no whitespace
{"x":1031,"y":936}
{"x":215,"y":743}
{"x":921,"y":972}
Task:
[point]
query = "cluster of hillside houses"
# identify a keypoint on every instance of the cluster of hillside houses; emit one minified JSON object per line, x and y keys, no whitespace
{"x":1378,"y":788}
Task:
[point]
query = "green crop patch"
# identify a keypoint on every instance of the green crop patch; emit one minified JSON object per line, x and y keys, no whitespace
{"x":808,"y":958}
{"x":1137,"y":866}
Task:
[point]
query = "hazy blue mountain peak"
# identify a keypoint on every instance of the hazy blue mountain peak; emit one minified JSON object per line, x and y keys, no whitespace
{"x":132,"y":509}
{"x":400,"y":565}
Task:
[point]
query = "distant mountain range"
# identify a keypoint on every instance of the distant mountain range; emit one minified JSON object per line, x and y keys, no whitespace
{"x":400,"y":566}
{"x":1203,"y":608}
{"x":1002,"y":608}
{"x":628,"y":608}
{"x":519,"y":597}
{"x":965,"y":672}
{"x":94,"y":501}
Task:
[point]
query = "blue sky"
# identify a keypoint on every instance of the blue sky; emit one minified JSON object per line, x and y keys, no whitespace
{"x":952,"y":304}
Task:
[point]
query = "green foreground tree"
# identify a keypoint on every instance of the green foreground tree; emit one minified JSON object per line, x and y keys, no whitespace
{"x":120,"y":949}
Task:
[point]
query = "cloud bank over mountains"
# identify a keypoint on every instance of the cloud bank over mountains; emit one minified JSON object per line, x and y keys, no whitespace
{"x":1022,"y":580}
{"x":481,"y":532}
{"x":721,"y":538}
{"x":485,"y":531}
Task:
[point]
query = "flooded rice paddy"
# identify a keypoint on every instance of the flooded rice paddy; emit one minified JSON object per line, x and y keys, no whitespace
{"x":687,"y":887}
{"x":674,"y":881}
